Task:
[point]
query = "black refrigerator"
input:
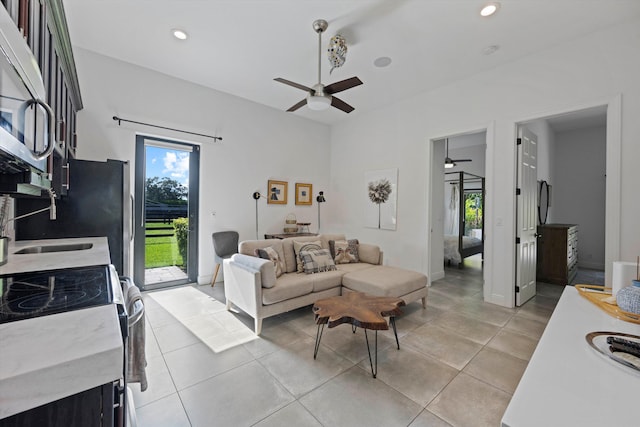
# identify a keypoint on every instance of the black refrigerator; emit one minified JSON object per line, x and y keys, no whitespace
{"x":98,"y":203}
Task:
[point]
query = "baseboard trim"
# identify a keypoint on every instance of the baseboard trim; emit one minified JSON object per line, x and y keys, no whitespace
{"x":591,"y":265}
{"x":436,"y":276}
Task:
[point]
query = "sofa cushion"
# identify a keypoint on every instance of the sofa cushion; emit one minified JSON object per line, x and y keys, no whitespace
{"x":289,"y":285}
{"x":299,"y":246}
{"x":317,"y":261}
{"x":326,"y":280}
{"x":289,"y":254}
{"x":264,"y":266}
{"x":272,"y":255}
{"x":324,"y":238}
{"x":369,"y":253}
{"x":248,"y":247}
{"x":344,"y":251}
{"x":384,"y":281}
{"x":354,"y":266}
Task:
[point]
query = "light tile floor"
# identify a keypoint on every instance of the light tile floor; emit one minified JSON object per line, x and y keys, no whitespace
{"x":459,"y":362}
{"x":163,"y":274}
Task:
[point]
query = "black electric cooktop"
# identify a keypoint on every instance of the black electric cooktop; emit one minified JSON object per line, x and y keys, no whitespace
{"x":40,"y":293}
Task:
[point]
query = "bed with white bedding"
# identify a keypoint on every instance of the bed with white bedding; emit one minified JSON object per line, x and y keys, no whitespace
{"x":456,"y":247}
{"x":470,"y":246}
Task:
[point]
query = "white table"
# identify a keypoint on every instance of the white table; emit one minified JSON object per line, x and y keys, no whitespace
{"x":568,"y":383}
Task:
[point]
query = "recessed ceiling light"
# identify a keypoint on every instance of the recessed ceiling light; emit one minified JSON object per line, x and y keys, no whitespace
{"x":490,"y":9}
{"x":490,"y":49}
{"x":382,"y":62}
{"x":179,"y":34}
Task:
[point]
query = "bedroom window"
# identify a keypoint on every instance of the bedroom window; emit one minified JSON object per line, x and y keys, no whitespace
{"x":473,"y":214}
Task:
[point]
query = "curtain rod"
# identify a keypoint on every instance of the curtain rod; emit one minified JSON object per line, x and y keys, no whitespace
{"x":119,"y":120}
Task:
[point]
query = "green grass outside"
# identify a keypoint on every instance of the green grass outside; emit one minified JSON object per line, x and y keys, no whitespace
{"x":161,"y":251}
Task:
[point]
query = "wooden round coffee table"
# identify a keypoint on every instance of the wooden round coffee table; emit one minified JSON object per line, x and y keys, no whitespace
{"x":361,"y":311}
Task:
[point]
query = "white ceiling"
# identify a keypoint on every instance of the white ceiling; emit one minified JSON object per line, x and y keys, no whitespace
{"x":240,"y":46}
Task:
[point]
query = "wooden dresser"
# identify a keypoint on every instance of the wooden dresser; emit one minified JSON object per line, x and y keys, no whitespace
{"x":557,"y":253}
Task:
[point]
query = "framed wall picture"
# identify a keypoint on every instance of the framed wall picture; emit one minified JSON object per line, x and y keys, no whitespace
{"x":303,"y":193}
{"x":277,"y":192}
{"x":381,"y":199}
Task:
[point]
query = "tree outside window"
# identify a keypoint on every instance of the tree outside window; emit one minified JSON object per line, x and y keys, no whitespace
{"x":472,"y":211}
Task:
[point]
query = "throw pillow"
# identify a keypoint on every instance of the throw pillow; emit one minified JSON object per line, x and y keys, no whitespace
{"x":304,"y":246}
{"x":317,"y":260}
{"x":344,"y":251}
{"x":271,"y":254}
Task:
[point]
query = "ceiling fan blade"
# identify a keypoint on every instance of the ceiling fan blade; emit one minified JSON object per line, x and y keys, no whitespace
{"x":298,"y":105}
{"x":342,"y":85}
{"x":341,"y":105}
{"x":294,"y":84}
{"x":461,"y":160}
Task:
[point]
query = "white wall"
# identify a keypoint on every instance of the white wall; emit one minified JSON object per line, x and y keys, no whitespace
{"x":579,"y":190}
{"x":437,"y":213}
{"x":259,"y":143}
{"x":590,"y":71}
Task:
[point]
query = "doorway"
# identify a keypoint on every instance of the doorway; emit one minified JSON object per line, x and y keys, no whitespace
{"x":457,"y":205}
{"x":166,"y":216}
{"x":573,"y":165}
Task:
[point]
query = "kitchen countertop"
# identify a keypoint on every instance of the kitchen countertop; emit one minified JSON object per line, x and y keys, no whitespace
{"x":568,"y":383}
{"x":50,"y":357}
{"x":18,"y":263}
{"x":46,"y":358}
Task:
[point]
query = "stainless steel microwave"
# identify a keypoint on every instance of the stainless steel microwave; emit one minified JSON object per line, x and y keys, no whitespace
{"x":27,"y":123}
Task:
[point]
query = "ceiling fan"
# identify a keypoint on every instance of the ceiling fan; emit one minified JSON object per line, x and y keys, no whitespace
{"x":449,"y":162}
{"x":320,"y":97}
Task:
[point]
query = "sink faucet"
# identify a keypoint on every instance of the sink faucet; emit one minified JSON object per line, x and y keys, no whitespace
{"x":51,"y":208}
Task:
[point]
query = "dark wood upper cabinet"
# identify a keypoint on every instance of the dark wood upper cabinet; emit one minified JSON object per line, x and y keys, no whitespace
{"x":44,"y":26}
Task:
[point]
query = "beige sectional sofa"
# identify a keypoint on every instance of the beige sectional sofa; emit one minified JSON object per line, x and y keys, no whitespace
{"x":251,"y":284}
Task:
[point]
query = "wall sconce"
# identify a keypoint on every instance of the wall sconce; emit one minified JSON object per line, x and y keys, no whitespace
{"x":320,"y":199}
{"x":256,"y":196}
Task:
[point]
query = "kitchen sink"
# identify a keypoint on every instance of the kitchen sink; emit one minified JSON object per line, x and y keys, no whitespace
{"x":54,"y":248}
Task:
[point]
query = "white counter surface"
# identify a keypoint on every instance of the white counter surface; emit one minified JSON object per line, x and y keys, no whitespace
{"x":568,"y":383}
{"x":46,"y":358}
{"x":50,"y":357}
{"x":97,"y":255}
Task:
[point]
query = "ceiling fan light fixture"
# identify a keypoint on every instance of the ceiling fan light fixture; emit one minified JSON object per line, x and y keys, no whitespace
{"x":318,"y":102}
{"x":448,"y":164}
{"x":489,"y":9}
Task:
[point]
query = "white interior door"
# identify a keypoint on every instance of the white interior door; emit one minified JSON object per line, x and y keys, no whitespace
{"x":527,"y":216}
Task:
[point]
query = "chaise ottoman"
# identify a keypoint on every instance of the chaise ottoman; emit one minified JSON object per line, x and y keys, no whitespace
{"x":385,"y":281}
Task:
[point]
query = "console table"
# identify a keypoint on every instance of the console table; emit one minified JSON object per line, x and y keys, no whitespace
{"x":567,"y":383}
{"x":285,"y":235}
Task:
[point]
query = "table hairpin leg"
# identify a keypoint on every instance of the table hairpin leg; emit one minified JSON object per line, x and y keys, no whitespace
{"x":374,"y":371}
{"x":318,"y":338}
{"x":392,"y":320}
